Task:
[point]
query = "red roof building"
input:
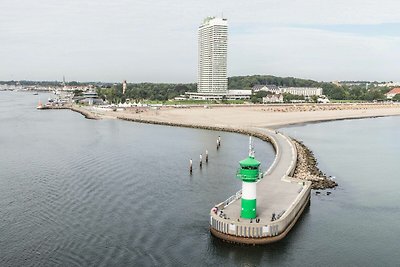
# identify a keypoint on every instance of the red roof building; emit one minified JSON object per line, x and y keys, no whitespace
{"x":393,"y":92}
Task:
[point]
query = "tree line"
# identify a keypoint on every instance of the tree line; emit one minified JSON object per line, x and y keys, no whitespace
{"x":145,"y":91}
{"x":332,"y":91}
{"x":165,"y":91}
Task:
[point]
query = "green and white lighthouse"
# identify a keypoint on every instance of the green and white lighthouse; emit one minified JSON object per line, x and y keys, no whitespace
{"x":249,"y":174}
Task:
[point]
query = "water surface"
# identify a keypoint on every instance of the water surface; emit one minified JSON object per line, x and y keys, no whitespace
{"x":77,"y":192}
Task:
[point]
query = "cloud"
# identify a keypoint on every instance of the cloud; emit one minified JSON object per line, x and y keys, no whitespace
{"x":157,"y":40}
{"x":316,"y":54}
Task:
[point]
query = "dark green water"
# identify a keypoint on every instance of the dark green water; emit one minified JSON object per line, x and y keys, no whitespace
{"x":76,"y":192}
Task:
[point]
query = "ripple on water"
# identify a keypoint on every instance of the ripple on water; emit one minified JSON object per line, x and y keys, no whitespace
{"x":75,"y":192}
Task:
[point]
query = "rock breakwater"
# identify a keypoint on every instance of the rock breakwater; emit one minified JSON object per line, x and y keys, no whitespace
{"x":307,"y":168}
{"x":86,"y":113}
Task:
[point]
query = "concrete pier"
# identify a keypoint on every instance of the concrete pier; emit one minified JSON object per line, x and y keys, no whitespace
{"x":281,"y":200}
{"x":277,"y":192}
{"x":86,"y":113}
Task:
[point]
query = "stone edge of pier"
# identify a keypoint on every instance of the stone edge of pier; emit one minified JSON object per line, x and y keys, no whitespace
{"x":86,"y":113}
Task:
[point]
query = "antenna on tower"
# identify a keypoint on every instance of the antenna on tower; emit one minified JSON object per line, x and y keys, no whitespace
{"x":251,"y":149}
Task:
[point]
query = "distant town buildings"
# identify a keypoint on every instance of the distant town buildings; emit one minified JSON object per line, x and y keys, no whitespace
{"x":212,"y":61}
{"x":366,"y":83}
{"x":78,"y":87}
{"x":11,"y":87}
{"x":389,"y":84}
{"x":302,"y":91}
{"x":68,"y":88}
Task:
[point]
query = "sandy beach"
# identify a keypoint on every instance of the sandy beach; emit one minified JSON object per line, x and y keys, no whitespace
{"x":253,"y":116}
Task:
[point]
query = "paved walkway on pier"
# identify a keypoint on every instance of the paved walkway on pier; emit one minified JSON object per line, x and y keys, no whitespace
{"x":274,"y":195}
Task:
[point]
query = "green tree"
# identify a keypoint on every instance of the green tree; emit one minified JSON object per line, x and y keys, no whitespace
{"x":396,"y":97}
{"x":78,"y":92}
{"x":289,"y":97}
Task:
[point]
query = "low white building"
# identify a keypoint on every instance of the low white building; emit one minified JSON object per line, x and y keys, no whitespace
{"x":389,"y":84}
{"x":235,"y":94}
{"x":274,"y":98}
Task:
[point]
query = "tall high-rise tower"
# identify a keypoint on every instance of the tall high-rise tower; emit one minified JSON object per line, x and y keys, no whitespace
{"x":213,"y":48}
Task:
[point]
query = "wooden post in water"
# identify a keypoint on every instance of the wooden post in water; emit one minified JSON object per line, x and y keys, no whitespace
{"x":218,"y":142}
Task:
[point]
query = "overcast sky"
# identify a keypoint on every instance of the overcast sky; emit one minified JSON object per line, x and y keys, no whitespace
{"x":156,"y":41}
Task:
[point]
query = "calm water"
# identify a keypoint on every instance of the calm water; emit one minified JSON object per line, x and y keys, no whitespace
{"x":76,"y":192}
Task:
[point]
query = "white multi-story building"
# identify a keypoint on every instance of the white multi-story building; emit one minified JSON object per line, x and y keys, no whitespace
{"x":274,"y":98}
{"x":305,"y":91}
{"x":213,"y":47}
